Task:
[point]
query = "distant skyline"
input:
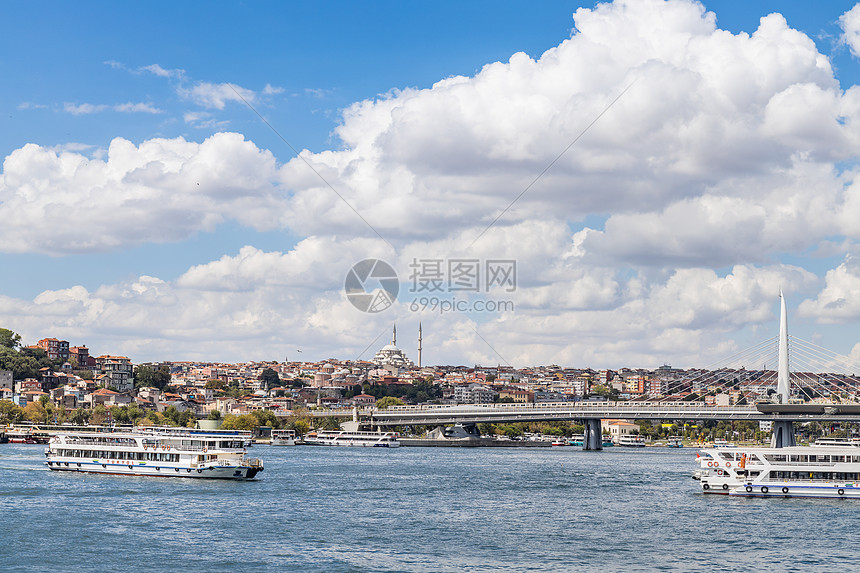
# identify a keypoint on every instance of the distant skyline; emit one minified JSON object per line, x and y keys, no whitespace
{"x":147,"y":210}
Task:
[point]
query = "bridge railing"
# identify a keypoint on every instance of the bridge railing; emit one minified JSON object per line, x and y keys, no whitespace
{"x":553,"y":406}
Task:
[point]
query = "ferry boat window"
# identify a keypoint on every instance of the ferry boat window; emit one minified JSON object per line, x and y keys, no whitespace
{"x":798,"y":459}
{"x":821,"y":459}
{"x":837,"y":459}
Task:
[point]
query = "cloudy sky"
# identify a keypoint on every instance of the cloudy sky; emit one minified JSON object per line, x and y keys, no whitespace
{"x":194,"y":182}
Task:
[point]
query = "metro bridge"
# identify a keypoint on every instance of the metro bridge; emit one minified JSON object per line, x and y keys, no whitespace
{"x":432,"y":415}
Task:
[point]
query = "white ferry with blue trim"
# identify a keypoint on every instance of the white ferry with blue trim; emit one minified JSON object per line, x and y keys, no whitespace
{"x":797,"y":471}
{"x":158,"y":452}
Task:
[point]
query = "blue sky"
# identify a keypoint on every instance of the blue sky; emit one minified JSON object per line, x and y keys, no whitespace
{"x":80,"y":76}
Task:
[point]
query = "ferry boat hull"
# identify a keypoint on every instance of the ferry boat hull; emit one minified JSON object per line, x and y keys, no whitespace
{"x":163,"y":470}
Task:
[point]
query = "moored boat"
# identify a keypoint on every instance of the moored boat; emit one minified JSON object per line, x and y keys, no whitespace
{"x":21,"y":437}
{"x":675,"y":442}
{"x":631,"y":441}
{"x":356,"y":439}
{"x":283,"y":438}
{"x":161,"y":452}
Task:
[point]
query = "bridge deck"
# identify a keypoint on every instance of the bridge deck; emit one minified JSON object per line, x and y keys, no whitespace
{"x":496,"y":413}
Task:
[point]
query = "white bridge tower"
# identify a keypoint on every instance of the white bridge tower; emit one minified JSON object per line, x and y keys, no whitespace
{"x":783,"y":431}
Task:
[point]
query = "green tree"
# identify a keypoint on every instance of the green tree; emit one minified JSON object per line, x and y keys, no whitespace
{"x":9,"y":339}
{"x":270,"y":378}
{"x":146,"y":376}
{"x":215,"y":384}
{"x":387,"y":401}
{"x":329,"y":423}
{"x":135,"y":413}
{"x":187,"y":419}
{"x":243,"y":422}
{"x":99,"y":415}
{"x":214,"y":415}
{"x":35,"y":412}
{"x":120,"y":414}
{"x":80,"y":417}
{"x":265,"y":418}
{"x":10,"y":413}
{"x":171,"y":415}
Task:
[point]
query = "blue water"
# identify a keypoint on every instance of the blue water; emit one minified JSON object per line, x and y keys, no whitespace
{"x":415,"y":509}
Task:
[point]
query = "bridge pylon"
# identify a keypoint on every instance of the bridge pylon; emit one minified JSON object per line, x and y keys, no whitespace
{"x":593,"y":438}
{"x":783,"y":431}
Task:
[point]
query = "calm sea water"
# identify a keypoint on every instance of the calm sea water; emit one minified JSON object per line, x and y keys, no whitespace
{"x":415,"y":509}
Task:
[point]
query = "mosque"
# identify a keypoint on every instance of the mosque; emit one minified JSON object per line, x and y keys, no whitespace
{"x":392,"y":358}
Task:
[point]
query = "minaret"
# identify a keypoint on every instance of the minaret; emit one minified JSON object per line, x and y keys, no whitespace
{"x":419,"y":345}
{"x":394,"y":335}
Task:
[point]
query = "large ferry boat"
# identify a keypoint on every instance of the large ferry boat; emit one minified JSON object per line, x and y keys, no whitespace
{"x":347,"y":438}
{"x":162,"y":452}
{"x":283,"y":438}
{"x":797,"y":471}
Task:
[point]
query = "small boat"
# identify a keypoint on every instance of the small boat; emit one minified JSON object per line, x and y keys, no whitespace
{"x":559,"y":443}
{"x":576,"y":440}
{"x":283,"y":438}
{"x":675,"y":442}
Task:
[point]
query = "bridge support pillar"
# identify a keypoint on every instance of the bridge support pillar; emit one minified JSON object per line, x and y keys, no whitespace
{"x":783,"y":435}
{"x":593,"y":439}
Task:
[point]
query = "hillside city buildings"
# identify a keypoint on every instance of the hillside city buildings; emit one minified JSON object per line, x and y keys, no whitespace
{"x":86,"y":381}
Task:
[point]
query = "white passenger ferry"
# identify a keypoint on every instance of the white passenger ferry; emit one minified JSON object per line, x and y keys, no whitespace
{"x":797,"y":471}
{"x":163,"y":452}
{"x":843,"y":442}
{"x":631,"y":441}
{"x":346,"y":438}
{"x":283,"y":438}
